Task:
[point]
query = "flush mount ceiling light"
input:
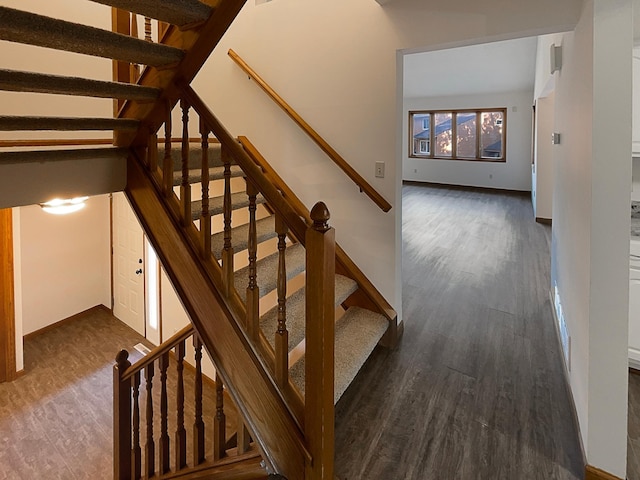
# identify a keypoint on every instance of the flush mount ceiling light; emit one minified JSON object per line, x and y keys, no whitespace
{"x":59,"y":206}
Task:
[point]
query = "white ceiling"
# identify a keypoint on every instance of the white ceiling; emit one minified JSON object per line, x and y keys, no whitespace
{"x":507,"y":66}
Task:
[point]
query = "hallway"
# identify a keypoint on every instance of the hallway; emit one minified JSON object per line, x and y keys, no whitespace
{"x":475,"y":389}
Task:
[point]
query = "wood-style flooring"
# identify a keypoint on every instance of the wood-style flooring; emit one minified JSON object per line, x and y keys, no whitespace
{"x":633,"y":428}
{"x":475,"y":390}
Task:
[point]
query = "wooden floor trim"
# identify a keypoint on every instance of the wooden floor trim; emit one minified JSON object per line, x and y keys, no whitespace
{"x":72,"y":318}
{"x":7,"y":300}
{"x":544,"y":221}
{"x":593,"y":473}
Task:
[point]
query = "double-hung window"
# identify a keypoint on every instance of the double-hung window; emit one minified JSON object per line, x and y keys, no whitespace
{"x":458,"y":134}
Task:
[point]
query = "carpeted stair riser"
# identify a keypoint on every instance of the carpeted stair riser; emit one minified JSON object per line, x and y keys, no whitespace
{"x":16,"y":81}
{"x":267,"y":269}
{"x":214,"y":156}
{"x":296,"y":312}
{"x":238,"y":200}
{"x":175,"y":12}
{"x":44,"y":156}
{"x":265,"y":229}
{"x":357,"y":334}
{"x":215,"y":173}
{"x":8,"y":123}
{"x":29,"y":28}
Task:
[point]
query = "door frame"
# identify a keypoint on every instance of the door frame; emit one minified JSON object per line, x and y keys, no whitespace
{"x":7,"y":299}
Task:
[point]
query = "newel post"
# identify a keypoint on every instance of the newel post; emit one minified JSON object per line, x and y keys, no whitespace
{"x":121,"y":418}
{"x":320,"y":344}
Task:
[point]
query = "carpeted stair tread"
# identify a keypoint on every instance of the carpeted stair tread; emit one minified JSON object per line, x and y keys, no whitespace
{"x":42,"y":156}
{"x":214,"y":155}
{"x":175,"y":12}
{"x":39,"y":30}
{"x":16,"y":81}
{"x":265,"y":229}
{"x":357,"y":334}
{"x":215,"y":173}
{"x":238,"y":200}
{"x":296,"y":312}
{"x":11,"y":123}
{"x":267,"y":269}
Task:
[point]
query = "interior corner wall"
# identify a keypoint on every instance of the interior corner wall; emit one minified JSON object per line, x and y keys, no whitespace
{"x":514,"y":174}
{"x":65,"y":262}
{"x":17,"y":294}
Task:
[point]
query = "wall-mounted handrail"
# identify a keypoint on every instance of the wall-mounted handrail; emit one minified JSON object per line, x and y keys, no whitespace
{"x":315,"y":136}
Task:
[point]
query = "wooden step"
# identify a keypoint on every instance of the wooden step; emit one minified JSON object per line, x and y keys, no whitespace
{"x":267,"y":269}
{"x":238,"y":200}
{"x":11,"y":123}
{"x":265,"y":229}
{"x":44,"y":156}
{"x":182,"y":13}
{"x":296,"y":312}
{"x":215,"y":173}
{"x":214,"y":156}
{"x":32,"y":29}
{"x":16,"y":81}
{"x":357,"y":334}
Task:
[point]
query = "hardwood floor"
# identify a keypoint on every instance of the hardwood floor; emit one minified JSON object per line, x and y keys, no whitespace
{"x":633,"y":432}
{"x":475,"y":390}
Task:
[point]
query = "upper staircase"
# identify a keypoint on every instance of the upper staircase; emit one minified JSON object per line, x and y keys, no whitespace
{"x":286,"y":316}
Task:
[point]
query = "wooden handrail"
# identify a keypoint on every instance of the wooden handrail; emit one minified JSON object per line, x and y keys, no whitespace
{"x":315,"y":136}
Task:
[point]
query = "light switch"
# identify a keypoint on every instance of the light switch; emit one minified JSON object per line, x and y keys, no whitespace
{"x":380,"y":169}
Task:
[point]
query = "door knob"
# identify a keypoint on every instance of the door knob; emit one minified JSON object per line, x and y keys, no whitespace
{"x":139,"y":271}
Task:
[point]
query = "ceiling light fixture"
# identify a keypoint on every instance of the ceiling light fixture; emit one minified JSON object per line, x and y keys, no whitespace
{"x":59,"y":206}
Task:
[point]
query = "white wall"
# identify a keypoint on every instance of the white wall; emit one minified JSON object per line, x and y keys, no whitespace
{"x":514,"y":174}
{"x":590,"y":237}
{"x":543,"y":202}
{"x":65,"y":263}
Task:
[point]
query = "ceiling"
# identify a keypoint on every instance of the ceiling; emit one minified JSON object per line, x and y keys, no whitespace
{"x":506,"y":66}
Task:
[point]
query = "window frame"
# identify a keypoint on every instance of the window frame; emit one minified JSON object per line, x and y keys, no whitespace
{"x":431,"y":155}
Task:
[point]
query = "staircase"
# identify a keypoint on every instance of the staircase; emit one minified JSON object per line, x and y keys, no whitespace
{"x":285,"y":315}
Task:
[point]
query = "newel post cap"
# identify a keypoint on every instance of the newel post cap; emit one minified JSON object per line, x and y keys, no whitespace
{"x":320,"y":216}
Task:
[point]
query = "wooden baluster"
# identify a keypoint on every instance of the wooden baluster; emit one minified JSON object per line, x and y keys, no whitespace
{"x":244,"y":439}
{"x":181,"y":433}
{"x":147,"y":29}
{"x":219,"y":422}
{"x":198,"y":425}
{"x":134,"y":70}
{"x":121,"y":418}
{"x":167,"y":162}
{"x":253,"y":293}
{"x":137,"y":452}
{"x":227,"y":252}
{"x":164,"y":428}
{"x":152,"y":152}
{"x":320,"y":344}
{"x":282,"y":335}
{"x":150,"y":447}
{"x":185,"y":187}
{"x":205,"y":218}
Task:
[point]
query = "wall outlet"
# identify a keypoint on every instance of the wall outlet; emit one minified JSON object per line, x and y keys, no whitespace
{"x":380,"y":169}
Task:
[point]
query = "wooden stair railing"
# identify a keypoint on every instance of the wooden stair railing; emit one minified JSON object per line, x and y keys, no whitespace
{"x":362,"y":184}
{"x":142,"y":395}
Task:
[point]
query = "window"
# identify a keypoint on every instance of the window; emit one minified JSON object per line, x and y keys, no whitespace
{"x":458,"y":134}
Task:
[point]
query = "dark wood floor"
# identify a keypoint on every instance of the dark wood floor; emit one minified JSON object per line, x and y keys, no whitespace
{"x":633,"y":435}
{"x":475,"y":390}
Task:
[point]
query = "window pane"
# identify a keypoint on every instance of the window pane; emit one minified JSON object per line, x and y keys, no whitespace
{"x":491,"y":135}
{"x":466,"y":133}
{"x":421,"y":133}
{"x":442,"y":131}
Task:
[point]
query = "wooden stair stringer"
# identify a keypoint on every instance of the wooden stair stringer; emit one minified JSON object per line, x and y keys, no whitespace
{"x":276,"y":433}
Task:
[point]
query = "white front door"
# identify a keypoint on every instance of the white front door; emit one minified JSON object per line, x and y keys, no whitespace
{"x":128,"y":266}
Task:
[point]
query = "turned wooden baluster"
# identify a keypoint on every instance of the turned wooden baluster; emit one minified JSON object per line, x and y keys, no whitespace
{"x":205,"y":218}
{"x":227,"y":252}
{"x":253,"y":293}
{"x":185,"y":187}
{"x":164,"y":427}
{"x":121,"y":418}
{"x":134,"y":71}
{"x":181,"y":433}
{"x":152,"y":152}
{"x":136,"y":452}
{"x":282,"y":335}
{"x":167,"y":162}
{"x":150,"y":447}
{"x":198,"y":425}
{"x":320,"y":343}
{"x":219,"y":422}
{"x":147,"y":29}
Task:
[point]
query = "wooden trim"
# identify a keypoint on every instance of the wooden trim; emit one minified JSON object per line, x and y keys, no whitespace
{"x":64,"y":321}
{"x":55,"y":142}
{"x":7,"y":300}
{"x":315,"y":136}
{"x":544,"y":221}
{"x":593,"y":473}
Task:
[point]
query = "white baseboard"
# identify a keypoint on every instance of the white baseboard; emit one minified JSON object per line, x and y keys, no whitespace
{"x":634,"y":358}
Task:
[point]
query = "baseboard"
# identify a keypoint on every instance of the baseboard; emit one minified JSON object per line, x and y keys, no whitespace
{"x":543,"y":221}
{"x":64,"y":321}
{"x":470,"y":188}
{"x":593,"y":473}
